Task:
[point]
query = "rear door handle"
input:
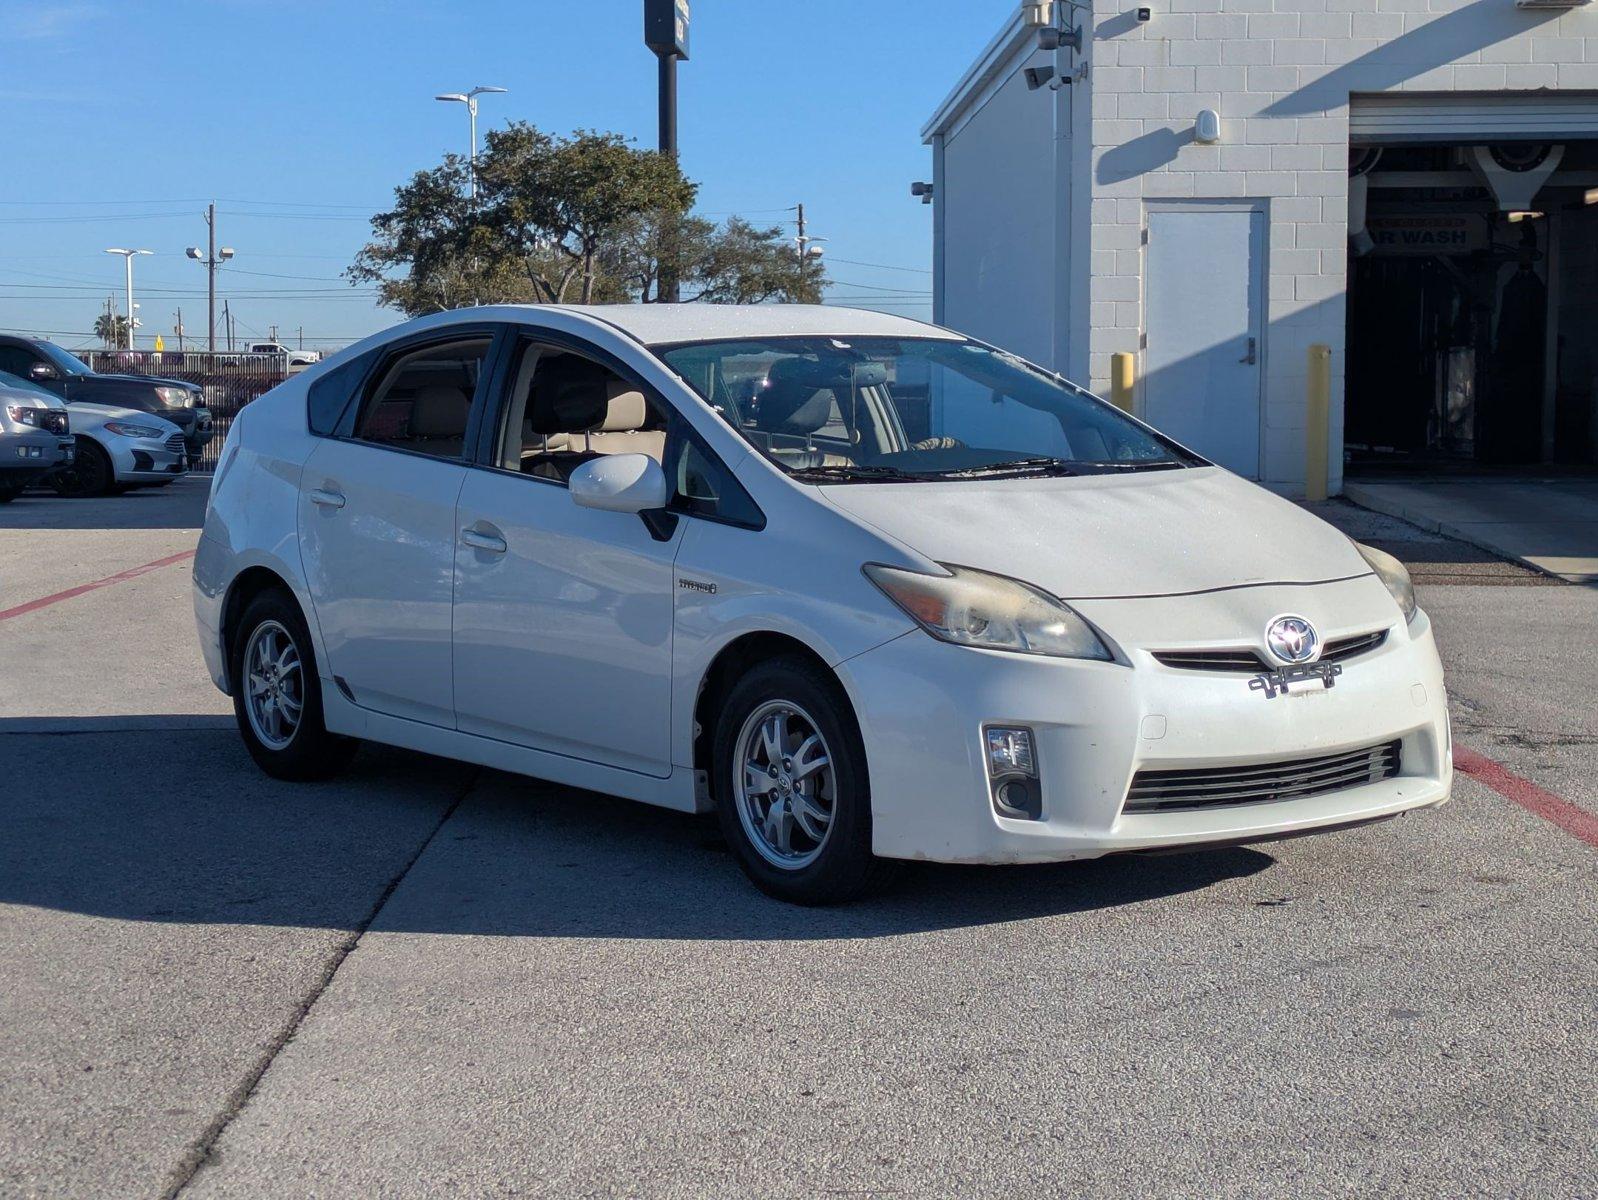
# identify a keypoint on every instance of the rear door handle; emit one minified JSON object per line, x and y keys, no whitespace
{"x":327,"y":499}
{"x":483,"y":541}
{"x":1252,"y":356}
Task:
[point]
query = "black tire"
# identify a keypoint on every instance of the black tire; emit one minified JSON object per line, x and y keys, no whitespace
{"x":90,"y":474}
{"x":844,"y":868}
{"x":10,"y":491}
{"x":310,"y":752}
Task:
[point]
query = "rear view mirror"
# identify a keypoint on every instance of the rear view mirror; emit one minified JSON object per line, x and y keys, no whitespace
{"x":625,"y":483}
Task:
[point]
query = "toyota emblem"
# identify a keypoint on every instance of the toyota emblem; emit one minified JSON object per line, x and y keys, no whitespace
{"x":1292,"y":640}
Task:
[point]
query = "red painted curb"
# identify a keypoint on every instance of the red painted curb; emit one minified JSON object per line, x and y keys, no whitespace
{"x":1577,"y":822}
{"x":120,"y":577}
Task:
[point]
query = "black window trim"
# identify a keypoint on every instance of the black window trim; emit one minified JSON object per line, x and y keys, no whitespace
{"x":486,"y":458}
{"x":386,"y":355}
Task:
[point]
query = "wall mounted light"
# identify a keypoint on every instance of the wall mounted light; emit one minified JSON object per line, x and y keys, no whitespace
{"x":1207,"y":127}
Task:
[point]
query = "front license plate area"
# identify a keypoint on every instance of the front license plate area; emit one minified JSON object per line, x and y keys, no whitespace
{"x":1311,"y":679}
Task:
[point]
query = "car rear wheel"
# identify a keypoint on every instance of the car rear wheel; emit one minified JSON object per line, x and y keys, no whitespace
{"x":90,"y":473}
{"x":791,"y":787}
{"x":277,"y":697}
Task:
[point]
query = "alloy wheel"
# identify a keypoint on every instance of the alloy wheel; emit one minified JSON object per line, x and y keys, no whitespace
{"x":785,"y":785}
{"x":274,"y":698}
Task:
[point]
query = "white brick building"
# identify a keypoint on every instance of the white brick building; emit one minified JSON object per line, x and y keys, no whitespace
{"x":1079,"y":212}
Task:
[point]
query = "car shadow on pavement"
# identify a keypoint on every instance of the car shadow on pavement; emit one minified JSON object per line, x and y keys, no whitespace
{"x":183,"y":828}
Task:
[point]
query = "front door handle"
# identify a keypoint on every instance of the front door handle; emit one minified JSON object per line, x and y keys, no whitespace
{"x":327,"y":499}
{"x":1252,"y":356}
{"x":483,"y":541}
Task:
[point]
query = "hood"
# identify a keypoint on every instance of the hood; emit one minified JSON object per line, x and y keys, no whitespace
{"x":1158,"y":533}
{"x":152,"y":380}
{"x":87,"y":415}
{"x":34,"y":397}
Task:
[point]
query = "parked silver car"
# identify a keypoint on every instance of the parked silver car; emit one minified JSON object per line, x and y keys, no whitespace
{"x":35,"y":436}
{"x":114,"y":448}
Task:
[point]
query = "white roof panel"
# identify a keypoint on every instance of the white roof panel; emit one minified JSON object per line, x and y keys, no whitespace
{"x":655,"y":324}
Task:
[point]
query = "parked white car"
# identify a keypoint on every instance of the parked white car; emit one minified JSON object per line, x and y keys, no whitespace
{"x":35,"y":436}
{"x":869,"y":589}
{"x":114,"y":448}
{"x":297,"y":359}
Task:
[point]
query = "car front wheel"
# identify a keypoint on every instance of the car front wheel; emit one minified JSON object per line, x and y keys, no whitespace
{"x":791,"y":787}
{"x":277,"y":698}
{"x":90,"y":474}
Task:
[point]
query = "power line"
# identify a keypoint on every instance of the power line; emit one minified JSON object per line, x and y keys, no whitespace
{"x":882,"y":266}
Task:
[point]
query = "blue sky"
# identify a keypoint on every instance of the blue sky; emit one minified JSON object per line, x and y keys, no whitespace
{"x":299,"y":117}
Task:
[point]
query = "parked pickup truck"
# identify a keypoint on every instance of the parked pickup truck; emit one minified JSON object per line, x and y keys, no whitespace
{"x":297,"y":358}
{"x":52,"y":368}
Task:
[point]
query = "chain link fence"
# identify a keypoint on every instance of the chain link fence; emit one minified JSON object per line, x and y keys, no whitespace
{"x":228,"y":380}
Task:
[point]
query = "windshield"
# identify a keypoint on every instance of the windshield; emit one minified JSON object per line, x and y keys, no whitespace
{"x":66,"y":363}
{"x":892,"y":409}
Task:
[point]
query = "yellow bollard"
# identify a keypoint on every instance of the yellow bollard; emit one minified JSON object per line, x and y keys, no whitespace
{"x":1317,"y":421}
{"x":1123,"y":368}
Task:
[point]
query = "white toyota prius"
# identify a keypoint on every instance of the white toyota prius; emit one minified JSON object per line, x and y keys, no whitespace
{"x":867,"y":588}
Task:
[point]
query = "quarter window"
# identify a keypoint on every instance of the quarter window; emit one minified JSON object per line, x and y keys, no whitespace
{"x":423,"y":401}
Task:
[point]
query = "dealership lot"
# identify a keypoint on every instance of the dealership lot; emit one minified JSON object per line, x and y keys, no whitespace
{"x":428,"y":979}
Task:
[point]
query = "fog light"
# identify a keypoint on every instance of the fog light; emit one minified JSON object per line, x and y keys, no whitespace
{"x":1013,"y":772}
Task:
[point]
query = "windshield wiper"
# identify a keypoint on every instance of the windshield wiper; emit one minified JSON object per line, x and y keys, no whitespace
{"x":869,"y":474}
{"x":1133,"y":464}
{"x":1015,"y":466}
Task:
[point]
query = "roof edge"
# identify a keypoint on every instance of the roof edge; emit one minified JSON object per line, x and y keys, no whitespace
{"x":989,"y":63}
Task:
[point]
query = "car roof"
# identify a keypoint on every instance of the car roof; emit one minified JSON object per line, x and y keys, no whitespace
{"x":662,"y":324}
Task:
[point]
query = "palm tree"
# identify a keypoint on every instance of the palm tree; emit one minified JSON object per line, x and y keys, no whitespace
{"x":112,"y":329}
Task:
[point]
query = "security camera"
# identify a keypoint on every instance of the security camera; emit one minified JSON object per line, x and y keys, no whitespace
{"x":1145,"y":14}
{"x":1053,"y":39}
{"x":1037,"y":77}
{"x":923,"y":190}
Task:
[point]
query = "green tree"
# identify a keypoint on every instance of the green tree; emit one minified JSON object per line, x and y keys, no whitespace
{"x":587,"y":219}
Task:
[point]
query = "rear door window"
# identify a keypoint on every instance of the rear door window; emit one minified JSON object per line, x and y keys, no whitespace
{"x":421,"y":400}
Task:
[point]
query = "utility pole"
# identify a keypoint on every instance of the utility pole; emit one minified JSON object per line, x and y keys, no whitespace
{"x":227,"y":323}
{"x":212,"y":259}
{"x":302,"y":338}
{"x":178,"y":329}
{"x":666,"y":33}
{"x":271,"y":333}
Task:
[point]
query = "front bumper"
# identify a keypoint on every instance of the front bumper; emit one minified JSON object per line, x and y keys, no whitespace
{"x":146,"y":461}
{"x":922,"y":705}
{"x":31,"y":455}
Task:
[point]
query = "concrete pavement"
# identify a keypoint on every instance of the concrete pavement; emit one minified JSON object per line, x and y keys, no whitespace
{"x":1550,"y":525}
{"x":423,"y":980}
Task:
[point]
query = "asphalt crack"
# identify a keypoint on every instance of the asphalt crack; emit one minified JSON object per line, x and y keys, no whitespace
{"x":201,"y":1150}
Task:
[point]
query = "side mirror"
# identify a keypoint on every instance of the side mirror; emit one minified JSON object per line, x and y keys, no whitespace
{"x":624,"y":483}
{"x":43,"y":371}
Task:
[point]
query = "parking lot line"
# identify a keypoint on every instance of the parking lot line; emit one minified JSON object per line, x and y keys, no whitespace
{"x":1577,"y":822}
{"x":120,"y":577}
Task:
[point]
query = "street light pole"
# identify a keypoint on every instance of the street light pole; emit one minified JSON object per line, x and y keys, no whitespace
{"x":127,"y":258}
{"x":666,"y":34}
{"x":469,"y":99}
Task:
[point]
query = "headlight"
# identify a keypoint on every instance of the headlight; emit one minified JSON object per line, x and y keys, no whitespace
{"x":25,"y":414}
{"x":133,"y":431}
{"x":993,"y":612}
{"x":1394,"y":575}
{"x":175,"y":397}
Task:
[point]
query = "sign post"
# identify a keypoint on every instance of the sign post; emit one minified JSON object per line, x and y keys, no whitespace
{"x":666,"y":33}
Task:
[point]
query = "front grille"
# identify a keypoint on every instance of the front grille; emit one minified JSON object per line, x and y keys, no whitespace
{"x":175,"y":443}
{"x":1260,"y":783}
{"x":1250,"y":661}
{"x":56,"y":422}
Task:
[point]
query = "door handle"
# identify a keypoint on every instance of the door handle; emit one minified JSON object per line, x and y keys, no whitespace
{"x":483,"y":541}
{"x":327,"y":499}
{"x":1252,"y":356}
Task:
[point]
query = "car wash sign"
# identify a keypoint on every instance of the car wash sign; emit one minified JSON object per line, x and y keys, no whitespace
{"x":666,"y":27}
{"x":1435,"y":233}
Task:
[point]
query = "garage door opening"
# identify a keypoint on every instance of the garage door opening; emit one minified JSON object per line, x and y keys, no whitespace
{"x":1472,"y":305}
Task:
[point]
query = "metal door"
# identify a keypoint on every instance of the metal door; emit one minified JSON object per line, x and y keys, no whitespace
{"x":1203,"y":306}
